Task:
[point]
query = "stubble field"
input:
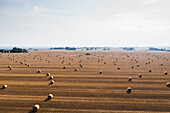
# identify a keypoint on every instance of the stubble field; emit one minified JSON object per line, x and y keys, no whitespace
{"x":85,"y":90}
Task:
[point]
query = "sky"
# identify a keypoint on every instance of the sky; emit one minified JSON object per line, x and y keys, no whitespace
{"x":78,"y":23}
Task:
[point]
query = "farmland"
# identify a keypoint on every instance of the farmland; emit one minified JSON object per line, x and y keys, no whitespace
{"x":85,"y":90}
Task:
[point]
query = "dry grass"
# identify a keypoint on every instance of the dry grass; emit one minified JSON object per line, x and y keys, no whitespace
{"x":85,"y":90}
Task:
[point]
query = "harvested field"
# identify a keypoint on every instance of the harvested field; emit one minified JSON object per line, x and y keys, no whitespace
{"x":85,"y":90}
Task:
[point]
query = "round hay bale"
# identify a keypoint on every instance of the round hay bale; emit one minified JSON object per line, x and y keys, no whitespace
{"x":100,"y":72}
{"x":51,"y":77}
{"x":140,"y":75}
{"x":36,"y":108}
{"x":4,"y":86}
{"x":166,"y":73}
{"x":52,"y":82}
{"x":168,"y":84}
{"x":129,"y":79}
{"x":81,"y":65}
{"x":76,"y":69}
{"x":50,"y":96}
{"x":129,"y":90}
{"x":48,"y":74}
{"x":39,"y":71}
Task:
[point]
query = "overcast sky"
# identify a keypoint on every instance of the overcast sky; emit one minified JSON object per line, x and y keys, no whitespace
{"x":85,"y":23}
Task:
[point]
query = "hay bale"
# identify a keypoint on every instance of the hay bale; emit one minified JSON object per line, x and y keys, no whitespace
{"x":100,"y":72}
{"x":48,"y":74}
{"x":50,"y":96}
{"x":51,"y":77}
{"x":52,"y":82}
{"x":36,"y":108}
{"x":4,"y":86}
{"x":129,"y":79}
{"x":81,"y":65}
{"x":39,"y":71}
{"x":140,"y":75}
{"x":129,"y":90}
{"x":166,"y":73}
{"x":76,"y":69}
{"x":168,"y":84}
{"x":62,"y":62}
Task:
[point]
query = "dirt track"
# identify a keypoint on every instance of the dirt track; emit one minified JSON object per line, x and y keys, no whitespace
{"x":85,"y":90}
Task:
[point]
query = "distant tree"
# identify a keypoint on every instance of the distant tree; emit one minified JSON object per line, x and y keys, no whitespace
{"x":69,"y":48}
{"x":18,"y":50}
{"x":87,"y":49}
{"x":130,"y":49}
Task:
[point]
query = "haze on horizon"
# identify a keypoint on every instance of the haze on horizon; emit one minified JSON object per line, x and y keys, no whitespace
{"x":84,"y":23}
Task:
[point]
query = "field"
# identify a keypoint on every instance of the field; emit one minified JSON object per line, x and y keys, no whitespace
{"x":85,"y":90}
